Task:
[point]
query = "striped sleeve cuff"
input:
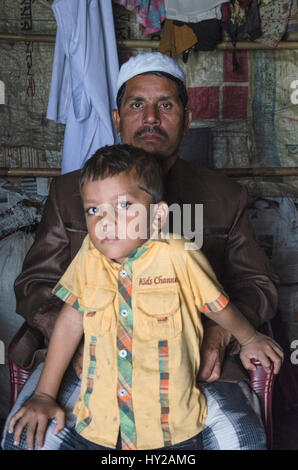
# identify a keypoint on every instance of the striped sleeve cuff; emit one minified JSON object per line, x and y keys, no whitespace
{"x":67,"y":297}
{"x":217,"y":305}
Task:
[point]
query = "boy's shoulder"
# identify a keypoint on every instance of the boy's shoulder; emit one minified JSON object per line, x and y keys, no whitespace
{"x":182,"y":250}
{"x":178,"y":245}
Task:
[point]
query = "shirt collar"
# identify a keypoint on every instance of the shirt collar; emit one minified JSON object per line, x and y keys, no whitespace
{"x":133,"y":255}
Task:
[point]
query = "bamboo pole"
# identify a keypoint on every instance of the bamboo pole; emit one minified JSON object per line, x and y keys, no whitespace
{"x":233,"y":172}
{"x":258,"y":172}
{"x":148,"y":44}
{"x":49,"y":38}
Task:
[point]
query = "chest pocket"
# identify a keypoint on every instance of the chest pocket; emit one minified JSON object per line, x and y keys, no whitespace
{"x":158,"y":314}
{"x":100,"y":315}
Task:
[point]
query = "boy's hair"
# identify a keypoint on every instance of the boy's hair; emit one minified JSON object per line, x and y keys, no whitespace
{"x":114,"y":159}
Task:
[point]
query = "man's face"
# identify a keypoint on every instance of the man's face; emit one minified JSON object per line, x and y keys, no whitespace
{"x":152,"y":116}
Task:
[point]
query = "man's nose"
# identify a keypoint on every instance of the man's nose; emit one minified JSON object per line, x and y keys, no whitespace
{"x":151,"y":114}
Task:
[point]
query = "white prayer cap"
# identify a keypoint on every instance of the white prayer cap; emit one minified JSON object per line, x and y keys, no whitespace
{"x":149,"y":62}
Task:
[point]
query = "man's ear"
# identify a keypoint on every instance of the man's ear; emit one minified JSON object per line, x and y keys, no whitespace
{"x":187,"y":120}
{"x":116,"y":120}
{"x":161,"y":210}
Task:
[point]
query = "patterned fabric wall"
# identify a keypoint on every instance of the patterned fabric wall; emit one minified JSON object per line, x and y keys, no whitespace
{"x":250,"y":114}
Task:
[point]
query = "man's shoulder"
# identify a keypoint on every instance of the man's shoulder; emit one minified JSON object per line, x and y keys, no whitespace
{"x":68,"y":180}
{"x":208,"y":178}
{"x":65,"y":193}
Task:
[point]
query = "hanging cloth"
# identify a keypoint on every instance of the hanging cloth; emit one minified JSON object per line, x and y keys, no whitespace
{"x":179,"y":37}
{"x":84,"y":75}
{"x":241,"y":23}
{"x":149,"y":13}
{"x":274,"y":20}
{"x":175,"y":40}
{"x":208,"y":33}
{"x":189,"y":11}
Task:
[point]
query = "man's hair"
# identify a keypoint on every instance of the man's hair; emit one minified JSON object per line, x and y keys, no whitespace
{"x":115,"y":159}
{"x":182,"y":92}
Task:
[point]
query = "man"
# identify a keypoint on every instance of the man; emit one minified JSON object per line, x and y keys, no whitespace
{"x":152,"y":114}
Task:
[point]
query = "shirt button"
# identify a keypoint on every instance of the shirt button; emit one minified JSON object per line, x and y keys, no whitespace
{"x":122,"y":392}
{"x":123,"y":353}
{"x":124,"y":313}
{"x":123,"y":273}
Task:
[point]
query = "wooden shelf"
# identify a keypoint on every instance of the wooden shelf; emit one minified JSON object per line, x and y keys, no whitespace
{"x":148,"y":44}
{"x":233,"y":172}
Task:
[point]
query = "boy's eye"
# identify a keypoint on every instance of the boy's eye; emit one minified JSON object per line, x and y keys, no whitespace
{"x":123,"y":205}
{"x":93,"y":211}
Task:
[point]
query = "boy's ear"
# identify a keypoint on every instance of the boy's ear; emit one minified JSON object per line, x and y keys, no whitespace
{"x":161,"y":210}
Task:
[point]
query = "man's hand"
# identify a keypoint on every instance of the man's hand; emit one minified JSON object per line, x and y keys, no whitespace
{"x":77,"y":361}
{"x":35,"y":414}
{"x":213,"y":350}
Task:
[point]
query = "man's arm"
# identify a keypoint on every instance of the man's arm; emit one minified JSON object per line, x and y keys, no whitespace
{"x":249,"y":277}
{"x":44,"y":265}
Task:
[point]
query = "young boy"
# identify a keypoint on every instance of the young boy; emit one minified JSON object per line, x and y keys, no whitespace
{"x":137,"y":299}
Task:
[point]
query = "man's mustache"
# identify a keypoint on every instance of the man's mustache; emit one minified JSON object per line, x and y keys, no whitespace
{"x":151,"y":130}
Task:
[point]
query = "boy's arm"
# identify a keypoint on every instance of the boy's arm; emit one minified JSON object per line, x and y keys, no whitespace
{"x":42,"y":406}
{"x":253,"y":344}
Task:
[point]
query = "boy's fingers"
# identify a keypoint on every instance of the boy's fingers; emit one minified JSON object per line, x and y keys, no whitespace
{"x":41,"y":430}
{"x":246,"y":361}
{"x":276,"y":359}
{"x":265,"y":361}
{"x":22,"y":423}
{"x":30,"y":435}
{"x":60,"y":421}
{"x":278,"y":351}
{"x":18,"y":431}
{"x":14,"y":419}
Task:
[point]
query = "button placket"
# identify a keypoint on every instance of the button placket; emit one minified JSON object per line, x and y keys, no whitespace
{"x":124,"y":349}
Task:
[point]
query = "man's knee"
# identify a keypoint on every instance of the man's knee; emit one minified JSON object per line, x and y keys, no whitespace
{"x":232,"y":423}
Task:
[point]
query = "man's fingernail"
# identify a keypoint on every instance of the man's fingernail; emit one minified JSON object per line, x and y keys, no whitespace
{"x":15,"y":443}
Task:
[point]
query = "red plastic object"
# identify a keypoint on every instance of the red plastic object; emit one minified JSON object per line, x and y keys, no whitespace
{"x":18,"y":377}
{"x":262,"y":383}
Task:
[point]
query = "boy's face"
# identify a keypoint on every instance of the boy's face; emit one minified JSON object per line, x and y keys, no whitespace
{"x":115,"y":227}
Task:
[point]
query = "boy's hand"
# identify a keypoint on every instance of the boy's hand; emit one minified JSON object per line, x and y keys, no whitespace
{"x":35,"y":413}
{"x":263,"y":348}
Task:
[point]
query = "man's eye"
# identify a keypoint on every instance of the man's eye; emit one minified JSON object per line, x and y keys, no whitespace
{"x":136,"y":105}
{"x":166,"y":105}
{"x":93,"y":211}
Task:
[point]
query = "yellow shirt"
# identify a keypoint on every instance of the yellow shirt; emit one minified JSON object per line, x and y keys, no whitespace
{"x":169,"y":288}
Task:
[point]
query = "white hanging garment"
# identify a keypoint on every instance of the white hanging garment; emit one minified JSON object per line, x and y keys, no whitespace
{"x":192,"y":11}
{"x":84,"y":76}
